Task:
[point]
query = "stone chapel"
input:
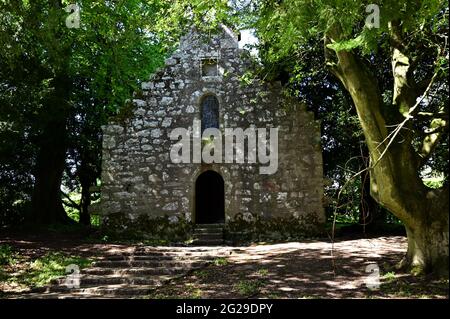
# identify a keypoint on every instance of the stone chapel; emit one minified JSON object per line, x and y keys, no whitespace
{"x":204,"y":80}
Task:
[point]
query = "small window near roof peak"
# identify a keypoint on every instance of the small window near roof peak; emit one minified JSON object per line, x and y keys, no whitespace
{"x":210,"y":67}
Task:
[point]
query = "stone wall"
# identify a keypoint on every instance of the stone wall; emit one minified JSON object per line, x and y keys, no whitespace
{"x":138,"y":177}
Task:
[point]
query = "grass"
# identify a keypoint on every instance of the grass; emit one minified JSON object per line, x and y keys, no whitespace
{"x":38,"y":272}
{"x":220,"y":261}
{"x":263,"y":272}
{"x":389,"y":276}
{"x":7,"y":255}
{"x":194,"y":293}
{"x":7,"y":258}
{"x":249,"y":288}
{"x":414,"y":287}
{"x":51,"y":266}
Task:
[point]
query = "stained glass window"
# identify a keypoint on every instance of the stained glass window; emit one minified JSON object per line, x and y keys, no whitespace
{"x":210,"y":112}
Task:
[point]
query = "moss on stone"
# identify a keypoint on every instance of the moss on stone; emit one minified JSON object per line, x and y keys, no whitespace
{"x":272,"y":229}
{"x":147,"y":228}
{"x":125,"y":113}
{"x":238,"y":230}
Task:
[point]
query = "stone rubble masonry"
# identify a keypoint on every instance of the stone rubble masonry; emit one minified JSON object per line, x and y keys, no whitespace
{"x":139,"y":179}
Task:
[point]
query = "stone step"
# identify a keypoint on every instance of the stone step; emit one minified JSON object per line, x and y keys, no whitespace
{"x":68,"y":295}
{"x":208,"y":242}
{"x":154,"y":257}
{"x":142,"y":271}
{"x":100,"y":280}
{"x":209,"y":226}
{"x":209,"y":236}
{"x":135,"y":274}
{"x":208,"y":231}
{"x":171,"y":251}
{"x":113,"y":290}
{"x":145,"y":263}
{"x":205,"y":252}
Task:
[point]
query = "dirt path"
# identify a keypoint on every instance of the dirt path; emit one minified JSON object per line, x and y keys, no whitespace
{"x":307,"y":269}
{"x":295,"y":270}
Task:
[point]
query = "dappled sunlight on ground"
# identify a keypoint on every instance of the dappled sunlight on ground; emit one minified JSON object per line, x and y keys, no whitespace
{"x":309,"y":269}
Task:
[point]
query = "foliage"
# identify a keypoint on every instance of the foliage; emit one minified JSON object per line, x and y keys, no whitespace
{"x":263,"y":272}
{"x":396,"y":74}
{"x":220,"y":261}
{"x":177,"y":16}
{"x":249,"y":287}
{"x":305,"y":22}
{"x":7,"y":255}
{"x":434,"y":182}
{"x":389,"y":276}
{"x":74,"y":213}
{"x":101,"y":64}
{"x":48,"y":267}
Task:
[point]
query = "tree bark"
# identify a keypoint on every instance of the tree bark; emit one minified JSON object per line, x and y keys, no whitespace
{"x":371,"y":215}
{"x":428,"y":244}
{"x":88,"y":173}
{"x":394,"y":177}
{"x":46,"y":199}
{"x":85,"y":217}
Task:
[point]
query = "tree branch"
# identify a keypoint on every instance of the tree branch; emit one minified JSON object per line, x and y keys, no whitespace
{"x":432,"y":139}
{"x":408,"y":116}
{"x":71,"y":202}
{"x":330,"y":64}
{"x":432,"y":116}
{"x":404,"y":94}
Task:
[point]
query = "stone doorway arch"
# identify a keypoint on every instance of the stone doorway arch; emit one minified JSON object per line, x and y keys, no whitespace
{"x":209,"y":198}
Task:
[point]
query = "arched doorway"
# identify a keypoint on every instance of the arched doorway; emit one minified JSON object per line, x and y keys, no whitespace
{"x":209,"y":198}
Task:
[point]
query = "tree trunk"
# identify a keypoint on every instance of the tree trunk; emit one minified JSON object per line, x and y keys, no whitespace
{"x":394,"y":178}
{"x":85,"y":217}
{"x":46,"y":199}
{"x":371,"y":215}
{"x":88,"y":174}
{"x":427,"y":249}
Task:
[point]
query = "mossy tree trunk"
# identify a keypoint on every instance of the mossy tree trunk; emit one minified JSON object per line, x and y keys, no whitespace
{"x":46,"y":198}
{"x":394,"y":173}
